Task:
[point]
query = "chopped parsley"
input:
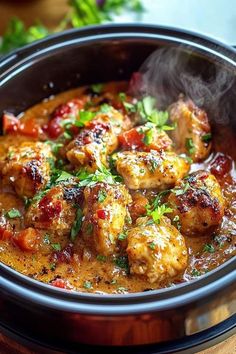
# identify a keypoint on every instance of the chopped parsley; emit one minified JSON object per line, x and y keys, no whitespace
{"x":102,"y":194}
{"x":84,"y":118}
{"x":158,"y":212}
{"x":54,"y":146}
{"x":208,"y":248}
{"x":122,"y":262}
{"x":177,"y":222}
{"x":105,"y":108}
{"x":52,"y":266}
{"x":195,"y":273}
{"x":207,"y":138}
{"x":122,"y":96}
{"x":101,"y":175}
{"x":101,"y":258}
{"x":180,"y":191}
{"x":56,"y":246}
{"x":13,"y":213}
{"x":152,"y":245}
{"x":63,"y":176}
{"x":190,"y":145}
{"x":148,"y":136}
{"x":76,"y":225}
{"x":122,"y":236}
{"x":97,"y":88}
{"x":87,"y":284}
{"x":46,"y":239}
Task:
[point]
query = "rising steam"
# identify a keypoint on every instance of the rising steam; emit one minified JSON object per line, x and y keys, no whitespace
{"x":169,"y":72}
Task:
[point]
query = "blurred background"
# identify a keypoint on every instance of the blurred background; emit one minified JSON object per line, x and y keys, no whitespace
{"x":215,"y":18}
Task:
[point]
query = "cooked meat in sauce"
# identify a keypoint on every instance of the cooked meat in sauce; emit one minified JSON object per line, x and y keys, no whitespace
{"x":103,"y":192}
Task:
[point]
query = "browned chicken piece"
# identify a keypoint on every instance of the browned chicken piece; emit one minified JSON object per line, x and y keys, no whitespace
{"x":156,"y":252}
{"x":56,"y":210}
{"x":105,"y":213}
{"x":192,"y":134}
{"x":96,"y":141}
{"x":27,"y":167}
{"x":153,"y":169}
{"x":197,"y":203}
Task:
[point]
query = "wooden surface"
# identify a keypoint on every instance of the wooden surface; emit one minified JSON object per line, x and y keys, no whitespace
{"x":50,"y":12}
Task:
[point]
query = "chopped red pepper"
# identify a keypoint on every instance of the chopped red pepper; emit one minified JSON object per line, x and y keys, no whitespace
{"x":59,"y":283}
{"x":221,"y":165}
{"x":102,"y":214}
{"x":5,"y":234}
{"x":27,"y":239}
{"x":49,"y":208}
{"x":131,"y":139}
{"x":10,"y":123}
{"x":29,"y":128}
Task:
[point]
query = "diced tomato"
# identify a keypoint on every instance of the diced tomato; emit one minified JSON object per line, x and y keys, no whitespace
{"x":138,"y":206}
{"x":27,"y":239}
{"x":53,"y":129}
{"x":59,"y":283}
{"x":131,"y":139}
{"x":5,"y":234}
{"x":29,"y":128}
{"x":70,"y":108}
{"x":102,"y":214}
{"x":49,"y":208}
{"x":10,"y":123}
{"x":221,"y":165}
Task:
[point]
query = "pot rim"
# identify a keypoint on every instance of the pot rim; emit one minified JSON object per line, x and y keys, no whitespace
{"x":140,"y":302}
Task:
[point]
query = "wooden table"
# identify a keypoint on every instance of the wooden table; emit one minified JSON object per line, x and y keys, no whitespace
{"x":50,"y":12}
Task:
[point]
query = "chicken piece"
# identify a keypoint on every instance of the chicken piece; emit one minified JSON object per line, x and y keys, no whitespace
{"x":95,"y":142}
{"x":105,"y":213}
{"x":156,"y":251}
{"x":27,"y":167}
{"x":197,"y":203}
{"x":192,"y":134}
{"x":151,"y":169}
{"x":144,"y":138}
{"x":55,"y":211}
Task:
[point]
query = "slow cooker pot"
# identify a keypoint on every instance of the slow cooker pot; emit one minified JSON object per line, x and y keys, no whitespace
{"x":187,"y":317}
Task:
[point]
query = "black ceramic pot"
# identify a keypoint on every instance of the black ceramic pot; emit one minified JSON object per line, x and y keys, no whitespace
{"x":187,"y":317}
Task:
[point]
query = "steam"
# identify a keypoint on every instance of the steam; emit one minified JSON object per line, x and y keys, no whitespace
{"x":169,"y":72}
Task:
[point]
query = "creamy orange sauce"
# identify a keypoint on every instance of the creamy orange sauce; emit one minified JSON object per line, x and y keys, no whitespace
{"x":103,"y":276}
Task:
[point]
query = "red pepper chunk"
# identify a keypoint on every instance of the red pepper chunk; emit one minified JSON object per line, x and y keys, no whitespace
{"x":27,"y":240}
{"x":10,"y":123}
{"x":29,"y":128}
{"x":49,"y":208}
{"x":5,"y":234}
{"x":102,"y":214}
{"x":131,"y":139}
{"x":59,"y":283}
{"x":221,"y":165}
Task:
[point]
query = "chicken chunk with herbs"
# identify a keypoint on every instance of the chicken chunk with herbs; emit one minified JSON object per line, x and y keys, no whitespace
{"x":151,"y":169}
{"x":197,"y":203}
{"x":27,"y":167}
{"x":96,"y":141}
{"x":156,"y":252}
{"x":192,"y":134}
{"x":55,"y":210}
{"x":105,"y":213}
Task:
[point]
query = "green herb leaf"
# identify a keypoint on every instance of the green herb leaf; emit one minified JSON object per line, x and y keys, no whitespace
{"x":105,"y":108}
{"x":122,"y":96}
{"x":56,"y":246}
{"x":152,"y":245}
{"x":101,"y":258}
{"x":77,"y":224}
{"x":13,"y":213}
{"x":207,"y":138}
{"x":208,"y":248}
{"x":158,"y":212}
{"x":122,"y":236}
{"x":180,"y":191}
{"x":84,"y":117}
{"x":122,"y":262}
{"x":195,"y":273}
{"x":64,"y":176}
{"x":100,"y":175}
{"x":97,"y":88}
{"x":102,"y":194}
{"x":190,"y":145}
{"x":87,"y":284}
{"x":148,"y":136}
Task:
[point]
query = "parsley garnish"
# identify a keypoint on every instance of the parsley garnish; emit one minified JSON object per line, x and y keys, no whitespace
{"x":122,"y":236}
{"x":13,"y":213}
{"x":56,"y":246}
{"x":84,"y":117}
{"x":208,"y":248}
{"x":97,"y":88}
{"x":63,"y":176}
{"x":152,"y":245}
{"x":159,"y":212}
{"x":195,"y":273}
{"x":76,"y":225}
{"x":190,"y":145}
{"x":101,"y":258}
{"x":179,"y":191}
{"x":88,"y":284}
{"x":148,"y":136}
{"x":102,"y":194}
{"x":100,"y":175}
{"x":122,"y":262}
{"x":207,"y":137}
